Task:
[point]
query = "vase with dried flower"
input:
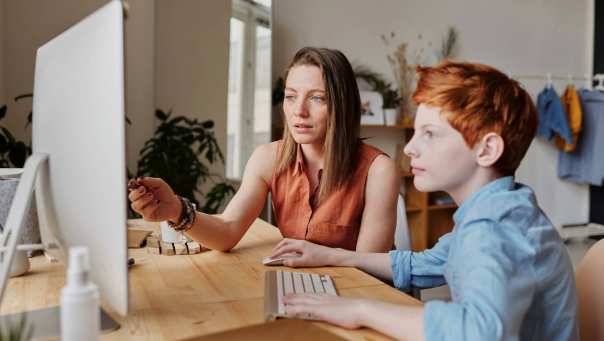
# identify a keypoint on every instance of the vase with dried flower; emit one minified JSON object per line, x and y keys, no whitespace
{"x":404,"y":75}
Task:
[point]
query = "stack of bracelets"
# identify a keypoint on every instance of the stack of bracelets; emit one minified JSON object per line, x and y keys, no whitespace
{"x":187,"y":216}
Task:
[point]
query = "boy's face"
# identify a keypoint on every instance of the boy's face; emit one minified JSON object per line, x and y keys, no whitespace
{"x":440,"y":158}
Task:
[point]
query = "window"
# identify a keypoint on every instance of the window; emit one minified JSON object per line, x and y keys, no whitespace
{"x":249,"y":98}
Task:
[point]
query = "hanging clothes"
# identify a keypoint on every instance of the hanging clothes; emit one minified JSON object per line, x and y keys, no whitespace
{"x":586,"y":164}
{"x":572,"y":106}
{"x":552,"y":117}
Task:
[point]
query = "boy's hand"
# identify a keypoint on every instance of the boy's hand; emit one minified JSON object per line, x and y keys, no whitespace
{"x":154,"y":199}
{"x":343,"y":312}
{"x":312,"y":255}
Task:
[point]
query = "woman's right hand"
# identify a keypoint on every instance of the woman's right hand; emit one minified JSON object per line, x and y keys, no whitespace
{"x":153,"y":199}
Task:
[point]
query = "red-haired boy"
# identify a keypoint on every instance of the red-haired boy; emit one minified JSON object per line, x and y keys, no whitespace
{"x":509,"y":273}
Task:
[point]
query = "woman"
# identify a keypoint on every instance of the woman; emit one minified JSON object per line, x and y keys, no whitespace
{"x":327,"y":186}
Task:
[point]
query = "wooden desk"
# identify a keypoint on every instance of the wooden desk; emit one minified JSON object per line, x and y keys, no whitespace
{"x":174,"y":297}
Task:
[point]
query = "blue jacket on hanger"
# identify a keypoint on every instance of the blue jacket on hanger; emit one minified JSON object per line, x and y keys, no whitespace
{"x":586,"y":164}
{"x":552,"y":117}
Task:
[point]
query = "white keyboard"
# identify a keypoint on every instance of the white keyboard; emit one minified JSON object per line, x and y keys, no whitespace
{"x":280,"y":283}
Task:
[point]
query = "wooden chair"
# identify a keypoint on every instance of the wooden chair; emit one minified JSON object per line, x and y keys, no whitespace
{"x":590,"y":293}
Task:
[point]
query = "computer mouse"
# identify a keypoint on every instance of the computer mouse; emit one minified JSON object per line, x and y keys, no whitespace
{"x":279,"y":259}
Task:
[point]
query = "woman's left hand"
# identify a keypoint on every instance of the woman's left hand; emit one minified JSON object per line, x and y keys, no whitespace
{"x":343,"y":312}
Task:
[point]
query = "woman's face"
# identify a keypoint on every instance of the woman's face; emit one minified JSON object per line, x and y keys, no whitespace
{"x":305,"y":104}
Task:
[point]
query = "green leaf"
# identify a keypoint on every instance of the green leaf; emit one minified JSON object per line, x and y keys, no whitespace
{"x":278,"y":91}
{"x":18,"y":154}
{"x":161,"y":115}
{"x":2,"y":111}
{"x":216,"y":197}
{"x":3,"y":144}
{"x":20,"y":97}
{"x":8,"y":135}
{"x":29,"y":118}
{"x":180,"y":152}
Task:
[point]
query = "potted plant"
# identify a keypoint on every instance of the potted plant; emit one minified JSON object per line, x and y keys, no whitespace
{"x":13,"y":152}
{"x":390,"y":97}
{"x":392,"y":102}
{"x":180,"y":152}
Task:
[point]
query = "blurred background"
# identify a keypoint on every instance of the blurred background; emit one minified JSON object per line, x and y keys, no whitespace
{"x":218,"y":64}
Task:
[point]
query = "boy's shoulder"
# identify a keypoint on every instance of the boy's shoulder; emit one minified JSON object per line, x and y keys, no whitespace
{"x":515,"y":206}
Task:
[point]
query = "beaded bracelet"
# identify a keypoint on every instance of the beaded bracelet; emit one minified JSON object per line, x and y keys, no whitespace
{"x":187,"y":216}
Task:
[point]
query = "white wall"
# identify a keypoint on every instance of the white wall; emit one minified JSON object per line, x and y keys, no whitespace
{"x":192,"y":60}
{"x":140,"y":76}
{"x":518,"y":37}
{"x":28,"y":24}
{"x":176,"y":57}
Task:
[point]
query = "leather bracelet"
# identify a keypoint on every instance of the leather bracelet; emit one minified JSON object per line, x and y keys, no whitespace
{"x":187,"y":216}
{"x":183,"y":213}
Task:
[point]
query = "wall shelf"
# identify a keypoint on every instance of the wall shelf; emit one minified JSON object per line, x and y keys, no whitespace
{"x":442,"y":207}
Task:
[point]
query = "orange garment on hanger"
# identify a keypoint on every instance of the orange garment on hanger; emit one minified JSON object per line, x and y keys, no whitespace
{"x":572,"y":105}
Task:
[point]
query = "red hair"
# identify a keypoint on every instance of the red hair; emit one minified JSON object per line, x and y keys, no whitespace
{"x":477,"y":99}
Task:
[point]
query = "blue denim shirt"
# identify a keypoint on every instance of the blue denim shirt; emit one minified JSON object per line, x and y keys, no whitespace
{"x":509,"y":273}
{"x":586,"y":164}
{"x":552,"y":117}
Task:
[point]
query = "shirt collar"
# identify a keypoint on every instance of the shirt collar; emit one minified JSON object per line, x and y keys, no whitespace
{"x":501,"y":184}
{"x":299,"y":166}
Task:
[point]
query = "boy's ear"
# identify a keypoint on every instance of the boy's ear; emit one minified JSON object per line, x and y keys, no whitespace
{"x":489,"y":150}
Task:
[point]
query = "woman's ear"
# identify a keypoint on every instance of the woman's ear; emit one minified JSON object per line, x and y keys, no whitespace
{"x":490,"y":149}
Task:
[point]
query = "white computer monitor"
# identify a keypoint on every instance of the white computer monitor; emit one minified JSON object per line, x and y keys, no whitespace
{"x":79,"y":121}
{"x":78,"y":158}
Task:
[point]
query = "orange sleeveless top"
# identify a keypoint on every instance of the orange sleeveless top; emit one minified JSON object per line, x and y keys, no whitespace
{"x":336,"y":221}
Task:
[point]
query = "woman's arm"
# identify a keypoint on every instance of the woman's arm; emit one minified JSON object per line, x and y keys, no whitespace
{"x":311,"y":255}
{"x":155,"y":201}
{"x":405,"y":268}
{"x":223,"y":231}
{"x":378,"y":222}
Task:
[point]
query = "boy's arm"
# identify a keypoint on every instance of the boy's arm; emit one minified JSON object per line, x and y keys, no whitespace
{"x":403,"y":322}
{"x":423,"y":269}
{"x":404,"y":268}
{"x":376,"y":264}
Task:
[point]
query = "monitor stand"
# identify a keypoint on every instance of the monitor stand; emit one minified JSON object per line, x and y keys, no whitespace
{"x":46,"y":323}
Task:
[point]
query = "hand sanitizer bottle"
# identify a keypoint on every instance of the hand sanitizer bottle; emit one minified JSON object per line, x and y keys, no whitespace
{"x":80,"y":314}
